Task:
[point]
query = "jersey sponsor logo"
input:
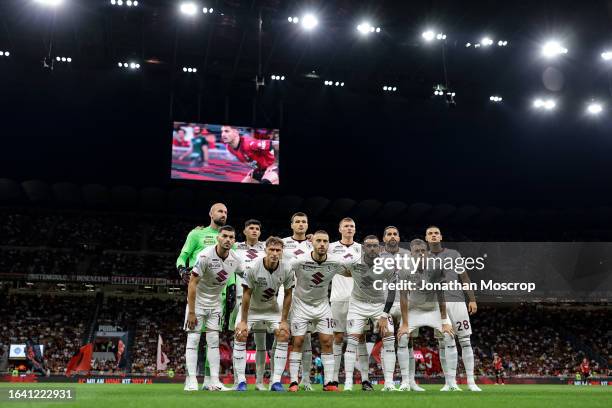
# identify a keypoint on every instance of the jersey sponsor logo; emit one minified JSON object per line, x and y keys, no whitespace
{"x":317,"y":278}
{"x":268,"y":293}
{"x":251,"y":254}
{"x":221,"y":276}
{"x":348,"y":256}
{"x":298,"y":252}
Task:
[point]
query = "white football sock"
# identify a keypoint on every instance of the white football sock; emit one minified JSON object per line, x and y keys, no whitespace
{"x":389,"y":358}
{"x":260,"y":356}
{"x":467,"y":355}
{"x":295,"y":359}
{"x":280,"y":357}
{"x":328,"y":367}
{"x":239,"y":357}
{"x":442,"y":356}
{"x":349,"y":359}
{"x":411,"y":365}
{"x":307,"y":359}
{"x":403,"y":358}
{"x":364,"y":362}
{"x":451,"y":359}
{"x":191,"y":354}
{"x":212,"y":339}
{"x":338,"y":359}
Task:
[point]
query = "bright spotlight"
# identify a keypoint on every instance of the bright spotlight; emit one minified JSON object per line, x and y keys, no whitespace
{"x":594,"y":108}
{"x":365,"y":28}
{"x":378,"y":29}
{"x":384,"y":88}
{"x":607,"y":55}
{"x":428,"y":35}
{"x":309,"y":22}
{"x":282,"y":77}
{"x":486,"y":41}
{"x":501,"y":43}
{"x":69,"y":59}
{"x":189,"y":8}
{"x":468,"y":45}
{"x":337,"y":83}
{"x":552,"y":49}
{"x":129,"y":3}
{"x":51,"y":3}
{"x":58,"y":58}
{"x":495,"y":98}
{"x":341,"y":83}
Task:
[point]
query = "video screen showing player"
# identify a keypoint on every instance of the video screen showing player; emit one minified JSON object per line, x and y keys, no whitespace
{"x":224,"y":153}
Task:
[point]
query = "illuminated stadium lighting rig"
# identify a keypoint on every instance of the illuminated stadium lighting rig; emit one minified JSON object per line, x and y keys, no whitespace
{"x":207,"y":10}
{"x":188,"y":8}
{"x":389,"y":88}
{"x":552,"y":49}
{"x":309,"y":22}
{"x":501,"y":43}
{"x":50,"y":3}
{"x":495,"y":99}
{"x":190,"y":70}
{"x":332,"y":83}
{"x":606,"y":55}
{"x":293,"y":20}
{"x":430,"y":35}
{"x":486,"y":42}
{"x":129,"y":65}
{"x":544,"y":104}
{"x":128,"y":3}
{"x":366,"y":28}
{"x":5,"y":54}
{"x":594,"y":108}
{"x":63,"y":59}
{"x":278,"y":77}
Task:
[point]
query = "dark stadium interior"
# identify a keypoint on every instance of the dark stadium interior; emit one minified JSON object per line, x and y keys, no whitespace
{"x":91,"y":224}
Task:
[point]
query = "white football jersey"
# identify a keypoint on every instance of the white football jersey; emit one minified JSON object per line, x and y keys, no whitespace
{"x":265,"y":284}
{"x":401,"y":252}
{"x":342,"y":286}
{"x":294,"y":248}
{"x":247,"y":254}
{"x":213,"y":272}
{"x":364,"y":277}
{"x":312,"y":278}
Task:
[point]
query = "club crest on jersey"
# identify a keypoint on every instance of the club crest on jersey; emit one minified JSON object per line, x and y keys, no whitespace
{"x":317,"y":278}
{"x":347,"y":256}
{"x":298,"y":252}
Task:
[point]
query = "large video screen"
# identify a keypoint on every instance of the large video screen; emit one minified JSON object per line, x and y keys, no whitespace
{"x":228,"y":153}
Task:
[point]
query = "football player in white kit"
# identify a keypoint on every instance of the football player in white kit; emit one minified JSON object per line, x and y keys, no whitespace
{"x":314,"y":272}
{"x":208,"y":278}
{"x":296,"y":245}
{"x":341,"y":290}
{"x":248,"y":251}
{"x":391,"y":239}
{"x":260,"y":311}
{"x":427,"y":308}
{"x":368,"y":302}
{"x":458,"y":312}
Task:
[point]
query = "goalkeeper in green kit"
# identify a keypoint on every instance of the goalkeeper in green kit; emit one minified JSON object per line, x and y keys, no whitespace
{"x":198,"y":239}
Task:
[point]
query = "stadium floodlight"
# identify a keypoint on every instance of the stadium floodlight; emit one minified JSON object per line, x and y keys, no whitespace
{"x":341,"y":83}
{"x":501,"y":43}
{"x":606,"y":55}
{"x":594,"y":108}
{"x":441,"y":36}
{"x":477,"y":45}
{"x":385,"y":88}
{"x":293,"y":20}
{"x":468,"y":45}
{"x":364,"y":28}
{"x":337,"y":83}
{"x":309,"y":22}
{"x":428,"y":35}
{"x":190,"y":69}
{"x":552,"y":49}
{"x":546,"y":104}
{"x":189,"y":8}
{"x":207,"y":10}
{"x":486,"y":42}
{"x":495,"y":99}
{"x":50,"y":3}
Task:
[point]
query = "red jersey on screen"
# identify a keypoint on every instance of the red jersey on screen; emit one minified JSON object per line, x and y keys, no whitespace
{"x":584,"y":367}
{"x":180,"y":143}
{"x":250,"y":150}
{"x":431,"y":359}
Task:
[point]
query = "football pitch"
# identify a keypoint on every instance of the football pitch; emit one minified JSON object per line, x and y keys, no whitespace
{"x":172,"y":395}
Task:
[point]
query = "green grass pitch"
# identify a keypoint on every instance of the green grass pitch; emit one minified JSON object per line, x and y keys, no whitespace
{"x":172,"y":395}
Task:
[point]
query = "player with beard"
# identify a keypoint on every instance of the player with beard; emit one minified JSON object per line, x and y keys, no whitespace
{"x":369,"y":303}
{"x":258,"y":153}
{"x":296,"y":245}
{"x":213,"y":266}
{"x":248,"y":252}
{"x":198,"y":239}
{"x":314,"y":272}
{"x":458,"y":312}
{"x":427,"y":308}
{"x":341,"y":289}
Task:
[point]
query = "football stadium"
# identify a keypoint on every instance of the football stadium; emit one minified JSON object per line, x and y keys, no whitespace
{"x":437,"y":232}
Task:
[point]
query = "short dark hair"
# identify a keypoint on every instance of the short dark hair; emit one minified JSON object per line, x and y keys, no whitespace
{"x":347,"y":219}
{"x":274,"y":241}
{"x":417,"y":242}
{"x":388,"y":227}
{"x":320,"y":232}
{"x":433,"y":226}
{"x":298,"y":214}
{"x":371,"y":237}
{"x":227,"y":228}
{"x":252,"y":221}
